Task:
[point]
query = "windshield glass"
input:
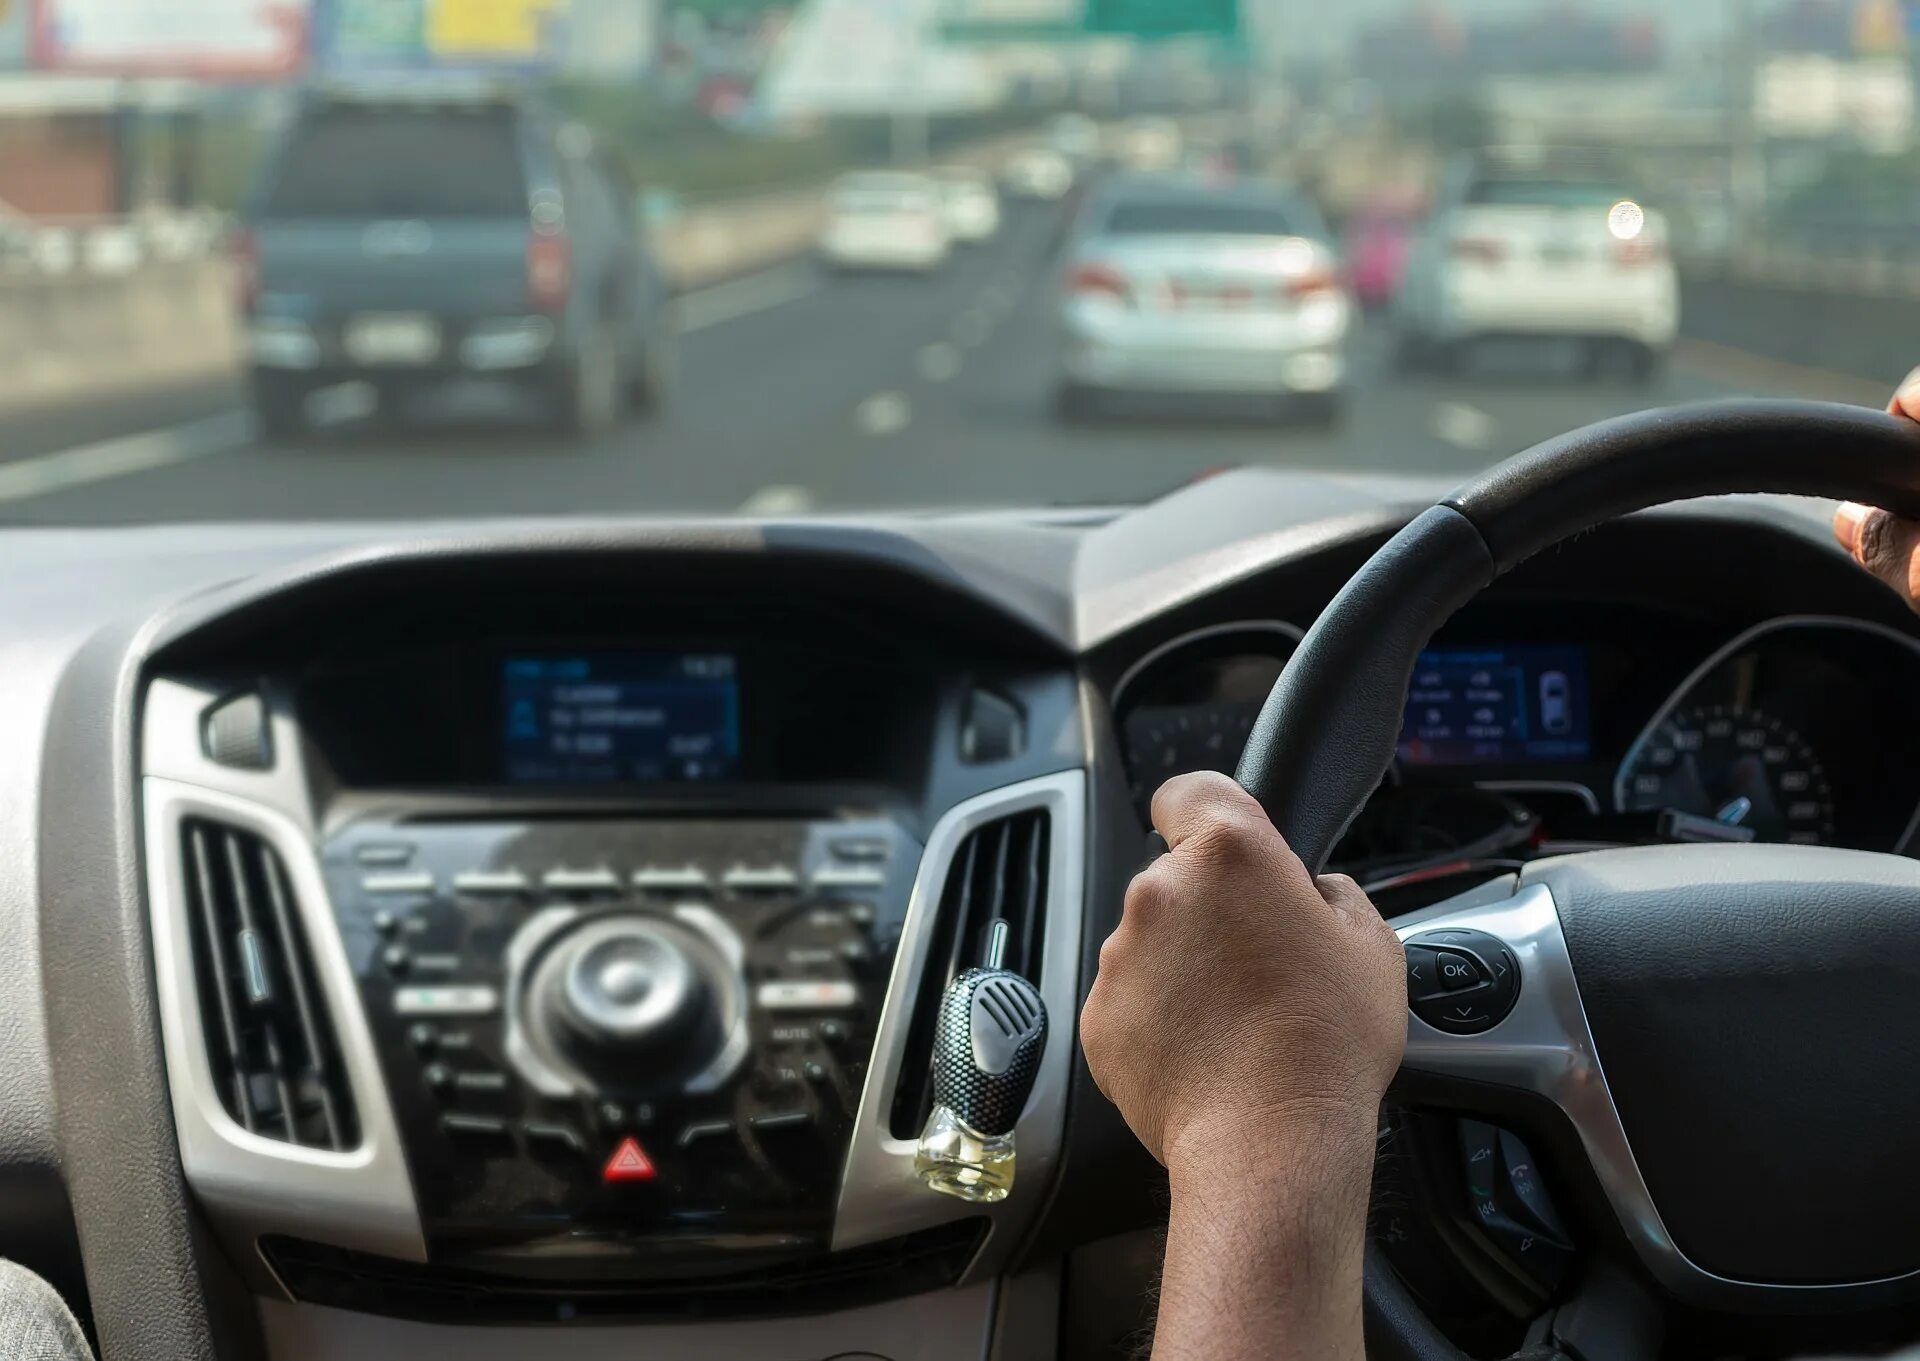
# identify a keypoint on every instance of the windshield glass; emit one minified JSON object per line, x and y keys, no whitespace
{"x":360,"y":259}
{"x":369,"y":164}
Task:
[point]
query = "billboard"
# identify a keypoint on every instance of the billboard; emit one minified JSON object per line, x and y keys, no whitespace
{"x":212,"y":39}
{"x":452,"y":35}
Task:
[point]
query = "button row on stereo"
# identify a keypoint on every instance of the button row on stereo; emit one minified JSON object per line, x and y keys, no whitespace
{"x":652,"y":879}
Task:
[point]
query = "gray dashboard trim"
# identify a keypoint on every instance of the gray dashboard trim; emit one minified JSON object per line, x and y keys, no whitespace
{"x":249,"y":1185}
{"x":879,"y":1196}
{"x":1729,"y":648}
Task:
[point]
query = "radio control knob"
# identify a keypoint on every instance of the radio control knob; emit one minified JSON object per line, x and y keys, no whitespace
{"x":633,"y":1001}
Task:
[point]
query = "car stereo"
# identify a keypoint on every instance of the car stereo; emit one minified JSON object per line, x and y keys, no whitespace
{"x":610,"y":1040}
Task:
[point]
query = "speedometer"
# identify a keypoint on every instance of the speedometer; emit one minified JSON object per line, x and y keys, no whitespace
{"x":1734,"y":764}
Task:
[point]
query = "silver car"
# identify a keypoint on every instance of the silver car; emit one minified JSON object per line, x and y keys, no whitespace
{"x":1174,"y":285}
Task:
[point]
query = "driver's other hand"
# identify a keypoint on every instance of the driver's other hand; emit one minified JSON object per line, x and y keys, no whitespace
{"x":1886,"y":545}
{"x":1240,"y":1001}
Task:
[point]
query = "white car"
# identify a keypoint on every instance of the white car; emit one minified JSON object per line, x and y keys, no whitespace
{"x":970,"y":202}
{"x":888,"y":220}
{"x":1038,"y":173}
{"x":1536,"y":256}
{"x":1173,"y":286}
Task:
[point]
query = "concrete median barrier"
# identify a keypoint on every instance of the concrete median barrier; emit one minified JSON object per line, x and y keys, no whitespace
{"x":79,"y":336}
{"x":1858,"y":317}
{"x":87,"y":331}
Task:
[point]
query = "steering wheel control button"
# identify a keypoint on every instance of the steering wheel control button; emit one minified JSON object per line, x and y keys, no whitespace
{"x":1457,"y":971}
{"x":1509,"y":1205}
{"x":628,"y":1163}
{"x":1459,"y":981}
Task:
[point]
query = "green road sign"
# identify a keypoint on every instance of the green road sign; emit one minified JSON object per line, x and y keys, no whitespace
{"x":1164,"y":18}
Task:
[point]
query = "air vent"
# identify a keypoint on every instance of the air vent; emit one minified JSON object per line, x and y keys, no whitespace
{"x":269,"y":1039}
{"x":999,"y":873}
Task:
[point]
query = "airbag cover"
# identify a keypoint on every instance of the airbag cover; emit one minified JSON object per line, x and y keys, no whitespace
{"x":1756,"y":1011}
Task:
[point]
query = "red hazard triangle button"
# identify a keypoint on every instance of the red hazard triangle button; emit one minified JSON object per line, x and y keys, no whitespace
{"x":628,"y":1163}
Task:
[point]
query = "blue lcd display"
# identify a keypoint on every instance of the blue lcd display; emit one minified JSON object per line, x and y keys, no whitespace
{"x":1493,"y":705}
{"x":632,"y":717}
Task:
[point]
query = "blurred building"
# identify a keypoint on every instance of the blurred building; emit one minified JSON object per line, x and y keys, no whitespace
{"x":1431,"y":46}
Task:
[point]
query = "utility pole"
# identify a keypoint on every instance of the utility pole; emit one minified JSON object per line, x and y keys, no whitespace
{"x":1746,"y":152}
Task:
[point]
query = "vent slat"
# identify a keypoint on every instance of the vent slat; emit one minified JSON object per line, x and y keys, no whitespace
{"x":316,"y":1070}
{"x":240,"y":1101}
{"x":998,"y":874}
{"x":269,"y":1040}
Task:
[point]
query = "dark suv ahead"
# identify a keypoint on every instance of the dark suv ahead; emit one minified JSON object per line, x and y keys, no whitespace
{"x":409,"y":242}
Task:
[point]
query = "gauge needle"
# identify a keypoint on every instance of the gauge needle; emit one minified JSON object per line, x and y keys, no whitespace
{"x":1735,"y":812}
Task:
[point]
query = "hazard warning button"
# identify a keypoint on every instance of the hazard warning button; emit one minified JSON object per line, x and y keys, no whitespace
{"x":628,"y":1163}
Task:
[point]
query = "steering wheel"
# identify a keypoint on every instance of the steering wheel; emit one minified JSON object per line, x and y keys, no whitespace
{"x":1730,"y":1031}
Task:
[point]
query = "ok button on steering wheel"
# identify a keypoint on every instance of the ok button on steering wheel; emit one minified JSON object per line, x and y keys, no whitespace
{"x":1461,"y":981}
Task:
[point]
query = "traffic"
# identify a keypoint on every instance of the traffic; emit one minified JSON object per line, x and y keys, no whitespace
{"x":450,"y":295}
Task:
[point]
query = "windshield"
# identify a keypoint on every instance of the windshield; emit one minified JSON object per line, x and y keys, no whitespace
{"x":386,"y":163}
{"x":355,"y":259}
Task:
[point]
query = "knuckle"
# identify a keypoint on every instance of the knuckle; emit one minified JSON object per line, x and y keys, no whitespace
{"x":1148,"y":896}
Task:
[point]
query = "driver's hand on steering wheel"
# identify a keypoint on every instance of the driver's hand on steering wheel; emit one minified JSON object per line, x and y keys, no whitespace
{"x":1886,"y":545}
{"x":1246,"y":1021}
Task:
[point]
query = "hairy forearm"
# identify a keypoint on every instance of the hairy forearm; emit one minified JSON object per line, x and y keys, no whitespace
{"x":1265,"y":1245}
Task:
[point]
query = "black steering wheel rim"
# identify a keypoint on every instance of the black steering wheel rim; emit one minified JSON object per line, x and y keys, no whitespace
{"x":1326,"y":734}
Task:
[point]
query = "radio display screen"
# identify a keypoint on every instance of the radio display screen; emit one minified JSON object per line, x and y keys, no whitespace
{"x":626,"y":717}
{"x":1497,"y":704}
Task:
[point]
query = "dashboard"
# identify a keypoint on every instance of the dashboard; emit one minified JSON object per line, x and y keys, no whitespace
{"x":458,"y":932}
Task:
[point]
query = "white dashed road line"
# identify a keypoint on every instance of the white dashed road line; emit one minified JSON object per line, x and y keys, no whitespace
{"x":30,"y":477}
{"x":778,"y":500}
{"x":884,"y":413}
{"x":1460,"y":424}
{"x":938,"y":362}
{"x":971,"y":328}
{"x":769,"y":288}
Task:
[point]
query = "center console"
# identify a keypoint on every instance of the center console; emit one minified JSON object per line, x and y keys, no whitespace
{"x":643,"y":1034}
{"x":523,"y":978}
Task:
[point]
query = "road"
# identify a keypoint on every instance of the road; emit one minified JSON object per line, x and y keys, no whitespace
{"x":799,"y":391}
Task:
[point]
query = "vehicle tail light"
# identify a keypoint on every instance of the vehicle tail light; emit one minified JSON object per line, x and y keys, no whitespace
{"x":246,"y":269}
{"x":1479,"y":250}
{"x":549,"y":271}
{"x":1097,"y":280}
{"x":1639,"y":251}
{"x":1317,"y":282}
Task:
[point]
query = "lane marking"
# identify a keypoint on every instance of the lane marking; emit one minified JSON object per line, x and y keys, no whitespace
{"x":743,"y":297}
{"x":1731,"y":364}
{"x":142,"y":452}
{"x":938,"y":362}
{"x":778,"y":500}
{"x":1460,"y":424}
{"x":884,"y":413}
{"x":971,"y":328}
